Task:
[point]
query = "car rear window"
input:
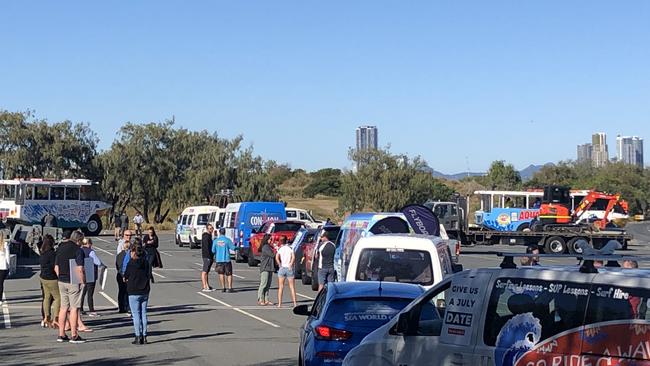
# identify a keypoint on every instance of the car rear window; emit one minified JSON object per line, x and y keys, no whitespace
{"x":203,"y":219}
{"x":365,"y":312}
{"x":395,"y":265}
{"x":287,"y":226}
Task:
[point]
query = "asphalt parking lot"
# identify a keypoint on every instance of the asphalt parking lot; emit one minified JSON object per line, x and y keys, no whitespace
{"x":186,"y":326}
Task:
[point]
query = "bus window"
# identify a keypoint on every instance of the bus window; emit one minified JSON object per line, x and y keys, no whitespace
{"x":8,"y":192}
{"x":29,"y":192}
{"x":56,"y":193}
{"x":72,"y":193}
{"x":41,"y":193}
{"x":89,"y":193}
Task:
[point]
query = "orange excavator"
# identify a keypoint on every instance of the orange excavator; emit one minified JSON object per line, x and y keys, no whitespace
{"x":556,"y":206}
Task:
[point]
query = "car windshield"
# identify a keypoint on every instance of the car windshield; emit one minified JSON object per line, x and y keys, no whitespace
{"x":395,"y":265}
{"x":365,"y":312}
{"x":203,"y":219}
{"x":287,"y":226}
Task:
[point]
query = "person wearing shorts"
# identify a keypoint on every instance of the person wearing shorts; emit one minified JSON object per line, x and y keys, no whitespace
{"x":221,"y":247}
{"x":285,"y":258}
{"x":326,"y":252}
{"x":70,"y":292}
{"x":207,"y":256}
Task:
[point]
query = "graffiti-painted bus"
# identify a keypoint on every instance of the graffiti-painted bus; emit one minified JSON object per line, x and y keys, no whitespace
{"x":74,"y":203}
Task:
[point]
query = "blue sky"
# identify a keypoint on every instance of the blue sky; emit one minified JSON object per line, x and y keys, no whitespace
{"x":452,"y":81}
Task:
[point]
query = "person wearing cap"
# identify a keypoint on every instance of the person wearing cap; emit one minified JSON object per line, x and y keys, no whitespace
{"x":221,"y":247}
{"x":326,"y":251}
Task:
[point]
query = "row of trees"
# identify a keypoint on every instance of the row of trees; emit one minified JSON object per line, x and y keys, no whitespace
{"x":157,"y":168}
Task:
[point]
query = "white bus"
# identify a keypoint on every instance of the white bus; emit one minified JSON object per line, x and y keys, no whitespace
{"x":75,"y":203}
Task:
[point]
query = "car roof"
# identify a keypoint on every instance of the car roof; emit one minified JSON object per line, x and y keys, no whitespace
{"x":344,"y":290}
{"x":286,"y":222}
{"x":402,"y":240}
{"x":618,"y":271}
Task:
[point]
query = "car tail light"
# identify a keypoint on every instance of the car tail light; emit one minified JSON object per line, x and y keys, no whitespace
{"x":326,"y":333}
{"x":329,"y":355}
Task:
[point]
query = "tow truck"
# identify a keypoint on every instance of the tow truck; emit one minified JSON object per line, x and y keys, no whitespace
{"x":553,"y":236}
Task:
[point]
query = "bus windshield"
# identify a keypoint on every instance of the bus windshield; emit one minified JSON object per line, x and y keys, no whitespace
{"x":8,"y":192}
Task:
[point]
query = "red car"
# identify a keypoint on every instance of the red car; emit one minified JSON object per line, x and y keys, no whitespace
{"x":277,"y":230}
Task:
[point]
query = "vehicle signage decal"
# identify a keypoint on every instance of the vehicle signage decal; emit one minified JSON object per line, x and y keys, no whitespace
{"x":508,"y":219}
{"x":370,"y":315}
{"x":66,"y":213}
{"x":620,"y":343}
{"x":258,"y":219}
{"x":461,"y":304}
{"x":422,"y":220}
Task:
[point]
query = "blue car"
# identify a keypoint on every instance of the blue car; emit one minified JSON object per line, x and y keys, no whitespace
{"x":344,"y":313}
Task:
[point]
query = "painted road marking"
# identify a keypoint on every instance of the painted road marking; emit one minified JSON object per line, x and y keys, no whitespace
{"x":199,"y":264}
{"x":5,"y":311}
{"x":167,"y":254}
{"x":109,"y":298}
{"x":236,"y":276}
{"x":304,"y":296}
{"x":159,"y":275}
{"x":239,"y":310}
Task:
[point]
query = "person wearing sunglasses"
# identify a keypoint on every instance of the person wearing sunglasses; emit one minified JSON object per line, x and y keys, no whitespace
{"x":126,"y":238}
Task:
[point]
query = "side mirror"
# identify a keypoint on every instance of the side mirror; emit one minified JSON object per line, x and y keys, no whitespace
{"x":301,"y":310}
{"x":456,"y":268}
{"x":402,"y":325}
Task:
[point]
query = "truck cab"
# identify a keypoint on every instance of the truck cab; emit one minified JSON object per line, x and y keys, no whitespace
{"x":298,"y":214}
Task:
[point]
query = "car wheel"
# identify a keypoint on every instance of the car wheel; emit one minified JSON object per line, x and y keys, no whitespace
{"x":555,"y":245}
{"x":94,"y":226}
{"x":314,"y":278}
{"x":297,"y":268}
{"x":251,"y":257}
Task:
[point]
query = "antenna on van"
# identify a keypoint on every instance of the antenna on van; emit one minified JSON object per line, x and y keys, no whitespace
{"x":379,"y":286}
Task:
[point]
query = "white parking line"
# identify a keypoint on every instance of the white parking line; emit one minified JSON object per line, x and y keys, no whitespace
{"x":163,"y":253}
{"x":108,"y":298}
{"x":239,"y":310}
{"x":237,"y":276}
{"x":159,"y":275}
{"x":105,"y":241}
{"x":103,"y":251}
{"x":304,"y":296}
{"x":5,"y":311}
{"x":198,"y":264}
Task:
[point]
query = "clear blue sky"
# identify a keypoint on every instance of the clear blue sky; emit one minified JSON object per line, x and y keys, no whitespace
{"x":524,"y":81}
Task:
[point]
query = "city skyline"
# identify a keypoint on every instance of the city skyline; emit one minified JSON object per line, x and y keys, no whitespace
{"x":367,"y":137}
{"x":460,"y":85}
{"x":629,"y":150}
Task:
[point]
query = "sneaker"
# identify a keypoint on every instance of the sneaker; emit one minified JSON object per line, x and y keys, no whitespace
{"x":93,"y":314}
{"x":230,"y":291}
{"x":224,"y":290}
{"x":77,"y":340}
{"x":63,"y":339}
{"x":207,"y":290}
{"x":143,"y":340}
{"x":211,"y":289}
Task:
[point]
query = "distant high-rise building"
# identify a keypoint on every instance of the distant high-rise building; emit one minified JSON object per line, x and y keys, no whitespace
{"x":584,"y":153}
{"x":629,"y":150}
{"x":599,"y":153}
{"x":367,"y":137}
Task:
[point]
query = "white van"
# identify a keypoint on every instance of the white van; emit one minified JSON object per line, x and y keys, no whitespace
{"x":530,"y":316}
{"x":408,"y":258}
{"x":192,"y":223}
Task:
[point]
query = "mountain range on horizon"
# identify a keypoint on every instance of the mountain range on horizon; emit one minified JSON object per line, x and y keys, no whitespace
{"x":525,"y":173}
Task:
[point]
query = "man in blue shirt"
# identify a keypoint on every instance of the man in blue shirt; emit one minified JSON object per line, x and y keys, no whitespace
{"x":221,"y":247}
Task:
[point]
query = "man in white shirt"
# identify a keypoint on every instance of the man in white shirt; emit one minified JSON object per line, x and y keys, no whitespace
{"x":285,"y":258}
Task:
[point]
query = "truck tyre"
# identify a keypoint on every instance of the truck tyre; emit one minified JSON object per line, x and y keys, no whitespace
{"x":251,"y":258}
{"x":555,"y":245}
{"x":94,"y":226}
{"x":574,"y":244}
{"x":524,"y":227}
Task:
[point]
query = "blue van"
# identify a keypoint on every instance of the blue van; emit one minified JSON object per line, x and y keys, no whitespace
{"x":243,"y":217}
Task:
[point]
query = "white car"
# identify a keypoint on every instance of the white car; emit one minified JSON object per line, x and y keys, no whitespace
{"x":561,"y":316}
{"x":298,"y":214}
{"x":407,"y":258}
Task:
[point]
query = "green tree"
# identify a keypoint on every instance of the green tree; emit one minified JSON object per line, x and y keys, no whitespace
{"x":502,"y":176}
{"x":326,"y":182}
{"x":386,"y":182}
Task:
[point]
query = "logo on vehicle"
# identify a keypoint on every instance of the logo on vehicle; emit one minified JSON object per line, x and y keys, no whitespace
{"x":503,"y":219}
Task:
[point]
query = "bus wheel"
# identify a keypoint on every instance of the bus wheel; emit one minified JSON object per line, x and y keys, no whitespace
{"x":94,"y":226}
{"x":555,"y":245}
{"x":575,"y":245}
{"x":524,"y":227}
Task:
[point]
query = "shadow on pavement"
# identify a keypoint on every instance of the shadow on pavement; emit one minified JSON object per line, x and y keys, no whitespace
{"x":278,"y":362}
{"x":189,"y":337}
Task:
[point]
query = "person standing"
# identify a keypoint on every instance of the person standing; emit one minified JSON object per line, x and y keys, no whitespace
{"x":4,"y":264}
{"x":137,"y":283}
{"x":122,"y":296}
{"x":50,"y":283}
{"x":150,"y":241}
{"x":89,"y":287}
{"x":118,"y":226}
{"x":207,"y":256}
{"x":284,"y":258}
{"x":69,"y":251}
{"x":138,"y":219}
{"x":326,"y":252}
{"x":124,"y":222}
{"x":267,"y":267}
{"x":127,"y":238}
{"x":221,"y":247}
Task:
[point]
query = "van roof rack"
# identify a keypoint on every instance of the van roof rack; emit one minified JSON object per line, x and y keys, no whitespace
{"x":587,"y":260}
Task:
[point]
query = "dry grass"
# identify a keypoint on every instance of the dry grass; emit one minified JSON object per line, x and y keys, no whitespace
{"x":322,"y":207}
